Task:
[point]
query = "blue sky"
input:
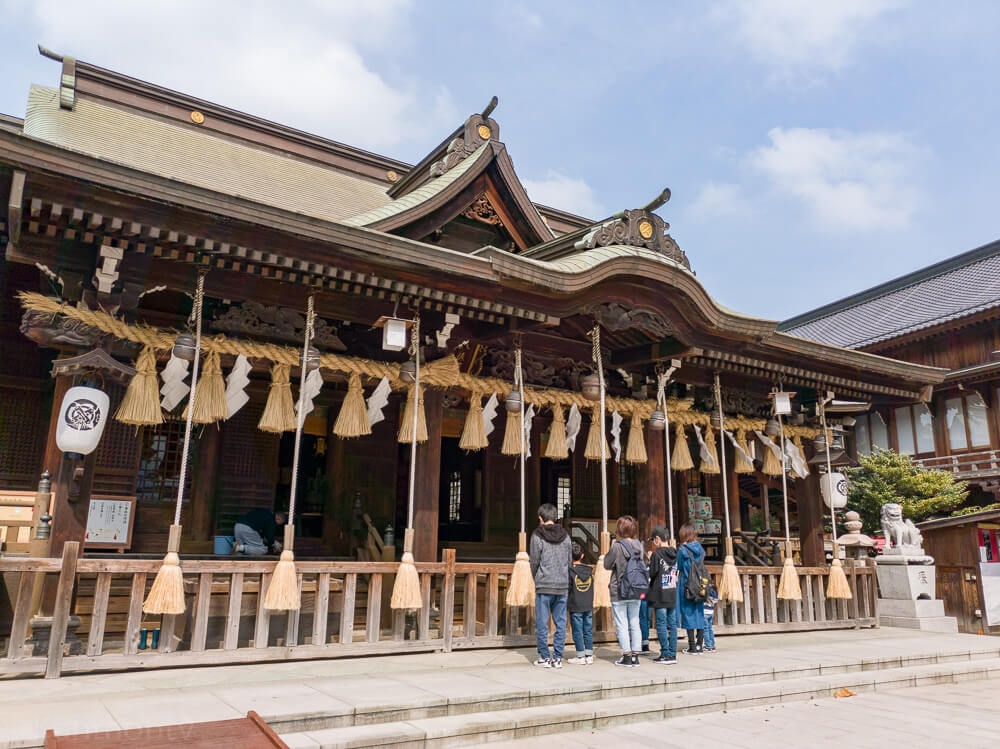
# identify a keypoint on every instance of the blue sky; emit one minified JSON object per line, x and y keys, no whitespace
{"x":814,"y":149}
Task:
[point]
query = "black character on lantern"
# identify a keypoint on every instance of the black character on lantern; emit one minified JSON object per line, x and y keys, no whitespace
{"x":83,"y":415}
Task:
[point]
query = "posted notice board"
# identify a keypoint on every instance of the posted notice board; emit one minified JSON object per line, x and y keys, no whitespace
{"x":109,"y":523}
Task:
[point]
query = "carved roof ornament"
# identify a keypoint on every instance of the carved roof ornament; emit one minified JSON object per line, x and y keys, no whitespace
{"x":615,"y":317}
{"x":276,"y":323}
{"x":94,"y":360}
{"x":483,"y":211}
{"x":638,"y":227}
{"x":478,"y":129}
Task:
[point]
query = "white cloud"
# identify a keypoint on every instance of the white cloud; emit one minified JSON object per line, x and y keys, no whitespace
{"x":848,"y":181}
{"x":720,"y":200}
{"x":566,"y":193}
{"x":794,"y":34}
{"x":302,"y":66}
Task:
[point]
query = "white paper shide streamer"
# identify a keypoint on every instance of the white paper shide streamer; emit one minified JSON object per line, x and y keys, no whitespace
{"x":174,"y":388}
{"x":529,"y":414}
{"x":311,"y":388}
{"x":377,"y":401}
{"x":736,"y":445}
{"x":703,"y":451}
{"x":489,"y":414}
{"x":236,"y":382}
{"x":616,"y":435}
{"x":798,"y":462}
{"x":573,"y":422}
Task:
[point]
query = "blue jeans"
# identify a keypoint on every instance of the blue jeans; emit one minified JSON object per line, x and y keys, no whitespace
{"x":667,"y":621}
{"x":554,"y":604}
{"x":644,"y":621}
{"x":709,"y":634}
{"x":583,"y":631}
{"x":626,"y":614}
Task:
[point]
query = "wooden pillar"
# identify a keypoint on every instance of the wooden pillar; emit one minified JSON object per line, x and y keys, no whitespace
{"x":651,"y":486}
{"x":733,"y":479}
{"x":204,"y":483}
{"x":765,"y":506}
{"x":426,"y":499}
{"x":681,"y":497}
{"x":533,"y":473}
{"x":810,"y":512}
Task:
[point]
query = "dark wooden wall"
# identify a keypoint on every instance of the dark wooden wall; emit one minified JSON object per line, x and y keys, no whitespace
{"x":956,"y":555}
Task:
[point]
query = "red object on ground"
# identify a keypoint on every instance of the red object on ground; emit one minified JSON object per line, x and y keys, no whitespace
{"x":250,"y":732}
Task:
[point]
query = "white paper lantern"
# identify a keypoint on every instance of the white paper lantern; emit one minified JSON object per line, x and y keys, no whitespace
{"x":834,"y":489}
{"x":82,"y":416}
{"x":394,"y":334}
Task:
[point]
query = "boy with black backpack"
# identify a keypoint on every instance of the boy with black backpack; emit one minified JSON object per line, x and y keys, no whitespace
{"x":662,"y":596}
{"x":580,"y":605}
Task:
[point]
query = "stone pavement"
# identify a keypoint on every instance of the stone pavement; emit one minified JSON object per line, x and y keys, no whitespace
{"x":960,"y":716}
{"x":440,"y":699}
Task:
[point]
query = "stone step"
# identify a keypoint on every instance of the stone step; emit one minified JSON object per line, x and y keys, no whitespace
{"x":568,"y":710}
{"x":947,"y":624}
{"x":498,"y":725}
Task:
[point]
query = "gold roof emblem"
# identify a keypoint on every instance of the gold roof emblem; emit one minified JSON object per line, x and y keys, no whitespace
{"x":645,"y":229}
{"x":484,"y":132}
{"x":197,"y":117}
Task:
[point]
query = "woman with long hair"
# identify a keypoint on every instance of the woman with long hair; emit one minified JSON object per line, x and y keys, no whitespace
{"x":625,"y":608}
{"x":692,"y":612}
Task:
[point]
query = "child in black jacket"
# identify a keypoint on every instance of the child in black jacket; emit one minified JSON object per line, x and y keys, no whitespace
{"x":662,"y":595}
{"x":580,"y":605}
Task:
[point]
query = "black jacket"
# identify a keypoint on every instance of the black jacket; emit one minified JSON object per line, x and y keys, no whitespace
{"x":263,"y":522}
{"x":581,"y":588}
{"x":663,"y":572}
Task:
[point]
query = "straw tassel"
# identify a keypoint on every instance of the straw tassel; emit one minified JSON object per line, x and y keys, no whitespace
{"x":710,"y":466}
{"x":279,"y":412}
{"x":406,"y":428}
{"x":521,"y":591}
{"x":352,"y":421}
{"x":743,"y":465}
{"x":474,"y":432}
{"x":593,"y":449}
{"x":406,"y":588}
{"x":557,"y":449}
{"x":680,"y":460}
{"x":141,"y":404}
{"x":512,"y":434}
{"x":772,"y":463}
{"x":166,"y":596}
{"x":729,"y":585}
{"x":283,"y":593}
{"x":635,"y":452}
{"x":837,"y":586}
{"x":210,"y":394}
{"x":788,"y":586}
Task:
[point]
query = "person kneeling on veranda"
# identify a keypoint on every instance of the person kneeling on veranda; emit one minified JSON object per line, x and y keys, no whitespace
{"x":256,"y":532}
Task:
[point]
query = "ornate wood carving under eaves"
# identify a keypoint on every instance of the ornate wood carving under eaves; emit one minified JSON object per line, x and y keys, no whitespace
{"x":276,"y":323}
{"x":58,"y":331}
{"x":478,"y":129}
{"x":548,"y":371}
{"x":639,"y":227}
{"x":615,"y":317}
{"x":483,"y":211}
{"x":734,"y":403}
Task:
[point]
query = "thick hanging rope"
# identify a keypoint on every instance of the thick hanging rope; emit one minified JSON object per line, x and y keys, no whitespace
{"x":729,"y":586}
{"x":406,"y":588}
{"x":602,"y":577}
{"x":661,"y":399}
{"x":283,"y":593}
{"x":521,"y":591}
{"x":788,"y":586}
{"x":166,"y":596}
{"x":836,"y":586}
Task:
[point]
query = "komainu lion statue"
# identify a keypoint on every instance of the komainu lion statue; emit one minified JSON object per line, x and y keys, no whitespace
{"x":897,"y":531}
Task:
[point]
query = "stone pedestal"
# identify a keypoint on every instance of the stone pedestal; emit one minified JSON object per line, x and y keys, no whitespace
{"x":41,"y":630}
{"x":906,"y":594}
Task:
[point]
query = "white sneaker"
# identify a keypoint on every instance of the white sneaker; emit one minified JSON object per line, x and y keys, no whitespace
{"x":580,"y":660}
{"x":590,"y":660}
{"x":543,"y":663}
{"x":557,"y":663}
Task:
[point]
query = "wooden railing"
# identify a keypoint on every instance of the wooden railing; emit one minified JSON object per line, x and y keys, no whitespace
{"x":965,"y":465}
{"x":343,"y":612}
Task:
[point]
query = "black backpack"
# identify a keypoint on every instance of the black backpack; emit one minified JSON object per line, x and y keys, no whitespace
{"x":698,"y":581}
{"x":634,"y":584}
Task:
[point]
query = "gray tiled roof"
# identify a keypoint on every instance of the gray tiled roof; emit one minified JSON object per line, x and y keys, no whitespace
{"x":949,"y":290}
{"x":199,"y":158}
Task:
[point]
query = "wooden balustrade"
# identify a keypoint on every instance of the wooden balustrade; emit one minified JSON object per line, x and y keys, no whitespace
{"x":341,"y":614}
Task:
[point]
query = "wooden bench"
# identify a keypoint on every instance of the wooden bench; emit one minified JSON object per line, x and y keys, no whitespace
{"x":250,"y":732}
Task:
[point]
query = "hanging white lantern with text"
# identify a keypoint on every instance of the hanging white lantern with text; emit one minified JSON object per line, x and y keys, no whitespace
{"x":834,"y":489}
{"x":82,"y":416}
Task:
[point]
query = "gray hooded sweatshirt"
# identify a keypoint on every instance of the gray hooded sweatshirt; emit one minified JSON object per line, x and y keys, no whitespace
{"x":550,"y":559}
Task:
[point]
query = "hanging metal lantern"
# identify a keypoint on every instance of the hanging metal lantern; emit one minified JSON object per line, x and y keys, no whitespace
{"x":772,"y":428}
{"x":312,"y":359}
{"x":657,"y":421}
{"x":82,"y":416}
{"x":408,"y":372}
{"x":184,"y":347}
{"x":590,"y":387}
{"x":513,"y":402}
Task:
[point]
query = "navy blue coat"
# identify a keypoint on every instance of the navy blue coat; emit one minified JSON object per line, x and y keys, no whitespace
{"x":692,"y":612}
